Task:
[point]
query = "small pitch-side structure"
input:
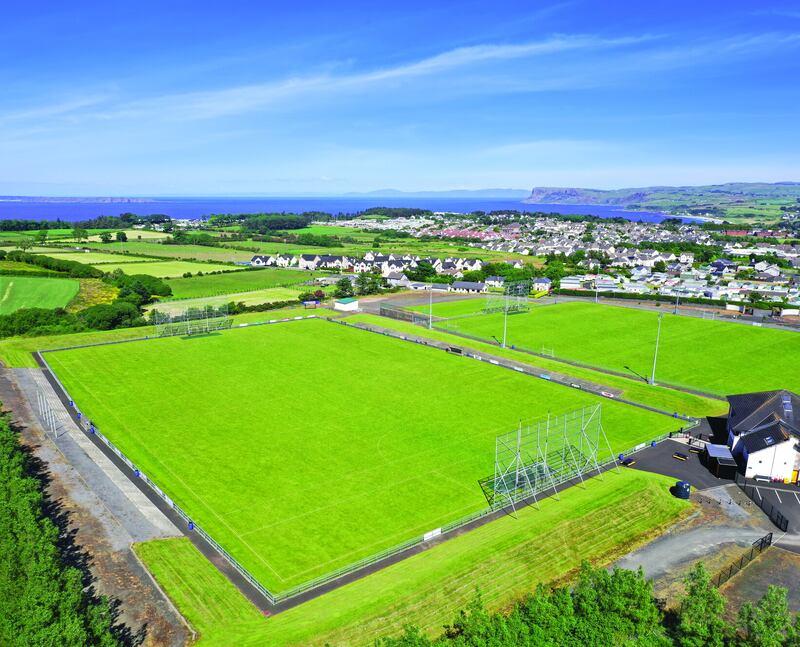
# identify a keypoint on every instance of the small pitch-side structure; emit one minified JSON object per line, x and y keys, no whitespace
{"x":763,"y":434}
{"x":350,"y":304}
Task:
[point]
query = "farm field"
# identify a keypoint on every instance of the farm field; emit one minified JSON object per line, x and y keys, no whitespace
{"x":14,"y":266}
{"x":34,"y":292}
{"x":335,"y":230}
{"x":232,"y":282}
{"x":252,"y":297}
{"x":714,"y":356}
{"x":164,"y":269}
{"x":134,"y":234}
{"x":396,"y":451}
{"x":95,"y":258}
{"x":197,"y":252}
{"x":504,"y":559}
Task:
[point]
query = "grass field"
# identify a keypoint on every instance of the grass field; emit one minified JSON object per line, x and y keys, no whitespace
{"x":253,"y":297}
{"x":211,"y":285}
{"x":296,"y":477}
{"x":15,"y":266}
{"x":94,"y":258}
{"x":33,"y":292}
{"x":713,"y":356}
{"x":16,"y":352}
{"x":634,"y":389}
{"x":197,"y":252}
{"x":163,"y":269}
{"x":504,"y":560}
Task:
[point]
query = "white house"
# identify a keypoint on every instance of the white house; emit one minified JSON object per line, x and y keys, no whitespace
{"x":542,"y":284}
{"x":285,"y":261}
{"x":308,"y":262}
{"x":763,"y":434}
{"x":259,"y":261}
{"x":495,"y":281}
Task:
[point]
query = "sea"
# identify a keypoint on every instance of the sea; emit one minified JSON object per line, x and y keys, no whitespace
{"x":73,"y":209}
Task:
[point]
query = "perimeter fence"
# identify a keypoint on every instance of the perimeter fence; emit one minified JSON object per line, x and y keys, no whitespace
{"x":758,"y":547}
{"x":276,"y":598}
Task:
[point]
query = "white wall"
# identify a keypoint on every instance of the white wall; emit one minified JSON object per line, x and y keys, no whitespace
{"x":777,"y":461}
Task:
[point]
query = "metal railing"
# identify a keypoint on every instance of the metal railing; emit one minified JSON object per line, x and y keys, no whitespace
{"x":774,"y":514}
{"x":758,"y":547}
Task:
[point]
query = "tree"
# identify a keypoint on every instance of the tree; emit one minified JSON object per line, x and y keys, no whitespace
{"x":768,"y":623}
{"x":25,"y":243}
{"x":105,"y":237}
{"x":122,"y":237}
{"x":660,"y":266}
{"x":362,"y":283}
{"x":80,"y":233}
{"x":41,"y":237}
{"x":343,"y":289}
{"x":701,"y":616}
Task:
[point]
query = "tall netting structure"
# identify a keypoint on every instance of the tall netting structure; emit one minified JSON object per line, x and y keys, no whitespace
{"x":539,"y":456}
{"x":192,"y":321}
{"x":514,"y":298}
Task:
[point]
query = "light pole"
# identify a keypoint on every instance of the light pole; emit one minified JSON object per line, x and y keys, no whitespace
{"x":677,"y":300}
{"x":505,"y":323}
{"x":655,"y":356}
{"x":430,"y":307}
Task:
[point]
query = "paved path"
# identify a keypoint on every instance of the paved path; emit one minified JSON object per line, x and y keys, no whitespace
{"x":669,"y":551}
{"x":106,"y":519}
{"x":141,"y":519}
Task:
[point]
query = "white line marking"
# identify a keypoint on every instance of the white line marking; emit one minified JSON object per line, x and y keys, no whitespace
{"x":759,"y":494}
{"x":796,"y":497}
{"x":779,"y":496}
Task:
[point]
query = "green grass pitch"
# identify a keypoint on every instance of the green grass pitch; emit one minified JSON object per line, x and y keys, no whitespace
{"x":305,"y":446}
{"x":34,"y":292}
{"x":504,"y":559}
{"x":715,"y":356}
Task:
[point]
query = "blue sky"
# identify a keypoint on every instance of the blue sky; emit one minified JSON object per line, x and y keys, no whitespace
{"x":200,"y":98}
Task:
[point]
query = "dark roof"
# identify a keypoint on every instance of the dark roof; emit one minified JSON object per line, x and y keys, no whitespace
{"x":495,"y":278}
{"x":767,"y":437}
{"x":542,"y":279}
{"x":468,"y":285}
{"x":750,"y":411}
{"x":308,"y":257}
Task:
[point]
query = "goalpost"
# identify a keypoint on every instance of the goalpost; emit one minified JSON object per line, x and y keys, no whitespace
{"x":191,"y":321}
{"x":541,"y":455}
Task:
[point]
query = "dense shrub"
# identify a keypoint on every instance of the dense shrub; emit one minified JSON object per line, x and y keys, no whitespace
{"x":43,"y":599}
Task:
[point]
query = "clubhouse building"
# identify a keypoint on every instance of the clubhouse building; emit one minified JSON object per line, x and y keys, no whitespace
{"x":764,"y":434}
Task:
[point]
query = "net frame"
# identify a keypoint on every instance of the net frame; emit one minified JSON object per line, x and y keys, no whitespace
{"x":543,"y":454}
{"x":192,"y":321}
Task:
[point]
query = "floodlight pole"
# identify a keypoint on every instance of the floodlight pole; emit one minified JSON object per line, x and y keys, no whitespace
{"x":505,"y":323}
{"x":655,"y":355}
{"x":430,"y":307}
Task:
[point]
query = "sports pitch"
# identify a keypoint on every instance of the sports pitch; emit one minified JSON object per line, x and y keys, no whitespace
{"x":305,"y":446}
{"x":715,"y":356}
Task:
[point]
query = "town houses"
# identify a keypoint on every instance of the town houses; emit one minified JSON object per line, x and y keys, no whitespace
{"x":387,"y":265}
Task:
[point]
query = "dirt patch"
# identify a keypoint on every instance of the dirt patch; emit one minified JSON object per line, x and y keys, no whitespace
{"x":725,"y":523}
{"x":116,"y":570}
{"x":775,"y":566}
